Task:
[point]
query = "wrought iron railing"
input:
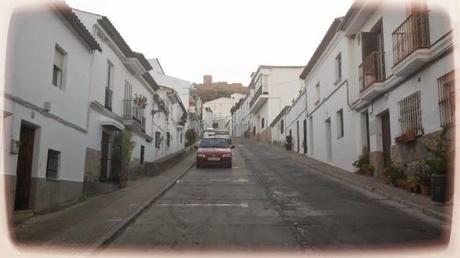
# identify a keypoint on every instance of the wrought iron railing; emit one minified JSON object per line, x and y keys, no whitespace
{"x":134,"y":112}
{"x":412,"y":34}
{"x":372,"y":70}
{"x":256,"y":95}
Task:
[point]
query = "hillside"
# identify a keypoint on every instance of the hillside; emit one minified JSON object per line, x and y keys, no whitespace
{"x":215,"y":90}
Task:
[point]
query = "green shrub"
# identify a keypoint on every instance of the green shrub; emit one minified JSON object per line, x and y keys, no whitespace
{"x":363,"y":164}
{"x":437,"y":163}
{"x":394,"y":173}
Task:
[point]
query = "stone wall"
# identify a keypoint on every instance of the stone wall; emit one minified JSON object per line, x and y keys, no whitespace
{"x":44,"y":194}
{"x":92,"y":184}
{"x":412,"y":154}
{"x":138,"y":170}
{"x":49,"y":194}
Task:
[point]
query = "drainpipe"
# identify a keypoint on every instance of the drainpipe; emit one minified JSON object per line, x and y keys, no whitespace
{"x":93,"y":55}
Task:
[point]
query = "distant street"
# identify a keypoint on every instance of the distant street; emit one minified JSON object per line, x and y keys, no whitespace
{"x":267,"y":201}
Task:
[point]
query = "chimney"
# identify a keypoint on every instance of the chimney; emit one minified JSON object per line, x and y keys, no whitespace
{"x":207,"y":80}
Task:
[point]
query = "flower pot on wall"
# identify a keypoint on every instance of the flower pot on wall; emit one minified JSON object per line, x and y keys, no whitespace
{"x":438,"y":187}
{"x":410,"y":136}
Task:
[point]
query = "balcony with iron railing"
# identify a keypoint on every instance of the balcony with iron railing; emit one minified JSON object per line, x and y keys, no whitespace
{"x":108,"y":98}
{"x":412,"y":34}
{"x":371,"y":70}
{"x":134,"y":112}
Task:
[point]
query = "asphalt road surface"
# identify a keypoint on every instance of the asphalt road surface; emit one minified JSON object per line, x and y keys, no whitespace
{"x":267,"y":202}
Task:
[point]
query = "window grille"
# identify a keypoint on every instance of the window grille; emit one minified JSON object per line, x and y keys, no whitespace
{"x":446,"y":93}
{"x":157,"y":139}
{"x":410,"y":116}
{"x":52,"y":164}
{"x":340,"y":123}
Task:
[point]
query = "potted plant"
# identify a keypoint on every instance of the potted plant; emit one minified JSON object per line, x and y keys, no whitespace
{"x":288,"y":142}
{"x":363,"y":164}
{"x":424,"y":180}
{"x":406,"y":137}
{"x":395,"y":175}
{"x":437,"y":165}
{"x":140,"y":101}
{"x":412,"y":184}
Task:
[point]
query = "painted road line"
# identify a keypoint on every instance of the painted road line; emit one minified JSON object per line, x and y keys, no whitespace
{"x":240,"y":180}
{"x":241,"y":205}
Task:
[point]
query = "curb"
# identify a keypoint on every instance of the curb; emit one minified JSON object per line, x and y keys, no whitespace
{"x":109,"y":236}
{"x":423,"y":209}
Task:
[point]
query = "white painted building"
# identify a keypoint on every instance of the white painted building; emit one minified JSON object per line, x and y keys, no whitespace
{"x":271,"y":89}
{"x":404,"y":68}
{"x":216,"y":113}
{"x":119,"y":80}
{"x":390,"y":77}
{"x":176,"y":93}
{"x":62,"y":122}
{"x":45,"y":116}
{"x":278,"y":127}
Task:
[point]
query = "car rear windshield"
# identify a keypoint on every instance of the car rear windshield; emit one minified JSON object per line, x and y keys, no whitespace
{"x":214,"y":143}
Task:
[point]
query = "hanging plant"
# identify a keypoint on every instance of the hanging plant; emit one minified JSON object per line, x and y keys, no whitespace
{"x":140,"y":100}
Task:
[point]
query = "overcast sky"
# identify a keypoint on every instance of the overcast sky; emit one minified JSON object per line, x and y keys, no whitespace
{"x":227,"y":39}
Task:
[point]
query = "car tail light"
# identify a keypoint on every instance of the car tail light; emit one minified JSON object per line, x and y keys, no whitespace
{"x":201,"y":156}
{"x":227,"y":155}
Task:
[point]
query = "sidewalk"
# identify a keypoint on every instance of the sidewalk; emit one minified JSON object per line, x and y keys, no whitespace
{"x":93,"y":222}
{"x":375,"y":185}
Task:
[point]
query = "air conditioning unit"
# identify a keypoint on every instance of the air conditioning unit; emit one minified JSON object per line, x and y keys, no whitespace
{"x":47,"y":106}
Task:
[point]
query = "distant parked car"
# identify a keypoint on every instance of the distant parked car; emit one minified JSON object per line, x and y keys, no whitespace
{"x":214,"y":151}
{"x":225,"y":135}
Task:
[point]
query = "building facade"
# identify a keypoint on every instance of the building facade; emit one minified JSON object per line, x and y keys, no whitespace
{"x":271,"y":89}
{"x":44,"y":132}
{"x":393,"y":77}
{"x":66,"y":121}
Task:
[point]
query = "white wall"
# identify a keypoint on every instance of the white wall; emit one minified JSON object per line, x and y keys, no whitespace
{"x":30,"y":57}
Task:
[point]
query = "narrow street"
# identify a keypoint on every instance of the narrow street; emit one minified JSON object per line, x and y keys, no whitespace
{"x":268,"y":201}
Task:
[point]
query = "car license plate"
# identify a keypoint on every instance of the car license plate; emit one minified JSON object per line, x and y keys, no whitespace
{"x":213,"y":159}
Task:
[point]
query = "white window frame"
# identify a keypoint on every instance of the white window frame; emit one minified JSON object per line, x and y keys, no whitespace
{"x":60,"y":65}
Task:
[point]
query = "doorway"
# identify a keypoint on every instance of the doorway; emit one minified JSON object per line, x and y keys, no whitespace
{"x":305,"y":136}
{"x":328,"y":140}
{"x":386,"y":138}
{"x":298,"y":137}
{"x":365,"y":138}
{"x":24,"y":167}
{"x":105,"y":156}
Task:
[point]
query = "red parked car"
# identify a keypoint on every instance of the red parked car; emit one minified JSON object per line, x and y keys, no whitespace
{"x":214,"y":151}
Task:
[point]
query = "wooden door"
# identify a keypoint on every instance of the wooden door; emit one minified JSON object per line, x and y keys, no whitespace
{"x":24,"y":167}
{"x":386,"y":138}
